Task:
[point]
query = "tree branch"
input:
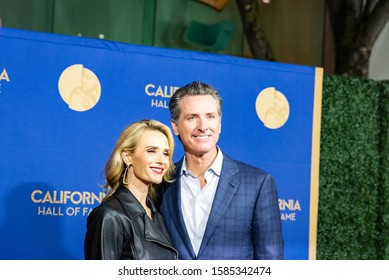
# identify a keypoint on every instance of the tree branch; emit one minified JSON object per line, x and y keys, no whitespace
{"x":256,"y":38}
{"x":369,"y":6}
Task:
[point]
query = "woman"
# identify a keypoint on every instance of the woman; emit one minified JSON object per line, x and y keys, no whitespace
{"x":127,"y":225}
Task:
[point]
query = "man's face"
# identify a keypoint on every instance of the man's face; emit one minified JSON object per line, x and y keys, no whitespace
{"x":199,"y":124}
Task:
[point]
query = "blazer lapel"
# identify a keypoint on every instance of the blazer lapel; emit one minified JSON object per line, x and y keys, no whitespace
{"x":226,"y":189}
{"x":174,"y":204}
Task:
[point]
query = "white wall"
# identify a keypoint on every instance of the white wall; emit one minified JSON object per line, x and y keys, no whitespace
{"x":379,"y":60}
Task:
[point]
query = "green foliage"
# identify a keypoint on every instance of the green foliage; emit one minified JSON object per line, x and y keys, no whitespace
{"x":384,"y":167}
{"x":354,"y":181}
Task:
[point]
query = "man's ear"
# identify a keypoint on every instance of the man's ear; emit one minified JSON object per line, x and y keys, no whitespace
{"x":175,"y":128}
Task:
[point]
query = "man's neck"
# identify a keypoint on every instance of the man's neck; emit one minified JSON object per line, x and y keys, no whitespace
{"x":198,"y":164}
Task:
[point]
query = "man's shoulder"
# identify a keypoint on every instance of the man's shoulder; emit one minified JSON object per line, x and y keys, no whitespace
{"x":242,"y":166}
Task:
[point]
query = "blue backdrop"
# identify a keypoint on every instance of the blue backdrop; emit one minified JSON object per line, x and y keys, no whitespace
{"x":64,"y":101}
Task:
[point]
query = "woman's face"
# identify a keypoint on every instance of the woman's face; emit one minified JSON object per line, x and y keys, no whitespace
{"x":150,"y":160}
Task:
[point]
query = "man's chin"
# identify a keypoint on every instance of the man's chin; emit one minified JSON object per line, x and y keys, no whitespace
{"x":200,"y":151}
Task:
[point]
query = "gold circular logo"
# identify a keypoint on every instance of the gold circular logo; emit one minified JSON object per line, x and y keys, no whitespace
{"x":79,"y":88}
{"x":272,"y":108}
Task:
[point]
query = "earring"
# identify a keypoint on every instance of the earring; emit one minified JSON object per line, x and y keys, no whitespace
{"x":125,"y":175}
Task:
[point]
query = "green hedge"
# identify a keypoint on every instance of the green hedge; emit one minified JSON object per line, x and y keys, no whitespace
{"x":354,"y":181}
{"x":384,"y":168}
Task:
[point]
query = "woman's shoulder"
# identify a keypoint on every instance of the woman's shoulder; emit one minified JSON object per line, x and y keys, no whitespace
{"x":109,"y":207}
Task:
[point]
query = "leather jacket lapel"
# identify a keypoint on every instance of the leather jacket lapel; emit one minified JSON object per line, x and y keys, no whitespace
{"x":152,"y":229}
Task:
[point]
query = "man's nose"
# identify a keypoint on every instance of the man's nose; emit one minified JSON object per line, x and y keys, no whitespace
{"x":202,"y":124}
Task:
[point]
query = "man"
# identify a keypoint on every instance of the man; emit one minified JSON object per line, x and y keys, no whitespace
{"x":216,"y":208}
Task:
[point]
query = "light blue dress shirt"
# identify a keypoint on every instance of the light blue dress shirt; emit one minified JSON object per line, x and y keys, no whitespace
{"x":196,"y":202}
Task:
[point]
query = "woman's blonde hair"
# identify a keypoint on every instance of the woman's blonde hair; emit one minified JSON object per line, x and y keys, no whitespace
{"x":128,"y":141}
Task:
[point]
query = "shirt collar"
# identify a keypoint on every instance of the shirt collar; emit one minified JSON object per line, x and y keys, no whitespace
{"x":216,"y":166}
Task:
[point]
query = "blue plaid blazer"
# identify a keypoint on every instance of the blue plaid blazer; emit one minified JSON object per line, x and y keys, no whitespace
{"x":244,"y":222}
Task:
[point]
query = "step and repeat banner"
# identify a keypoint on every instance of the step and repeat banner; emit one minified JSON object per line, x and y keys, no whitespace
{"x":64,"y":101}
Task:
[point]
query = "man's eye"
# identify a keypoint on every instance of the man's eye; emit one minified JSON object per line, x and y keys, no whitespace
{"x":190,"y":118}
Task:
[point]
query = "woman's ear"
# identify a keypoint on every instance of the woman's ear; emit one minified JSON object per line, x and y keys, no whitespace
{"x":126,"y":157}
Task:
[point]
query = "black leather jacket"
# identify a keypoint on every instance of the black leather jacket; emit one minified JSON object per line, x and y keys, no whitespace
{"x":119,"y":229}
